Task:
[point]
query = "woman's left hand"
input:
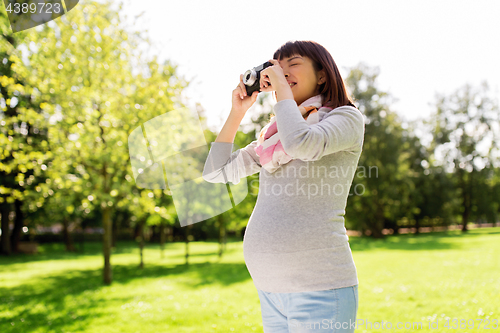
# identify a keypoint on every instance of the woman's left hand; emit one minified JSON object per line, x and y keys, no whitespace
{"x":273,"y":79}
{"x":272,"y":76}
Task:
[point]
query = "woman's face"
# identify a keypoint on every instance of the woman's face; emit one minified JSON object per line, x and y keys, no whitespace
{"x":303,"y":79}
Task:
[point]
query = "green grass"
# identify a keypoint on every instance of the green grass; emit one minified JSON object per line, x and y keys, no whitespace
{"x":404,"y":278}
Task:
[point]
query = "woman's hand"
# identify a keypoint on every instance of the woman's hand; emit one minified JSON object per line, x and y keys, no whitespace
{"x":242,"y":102}
{"x":272,"y":78}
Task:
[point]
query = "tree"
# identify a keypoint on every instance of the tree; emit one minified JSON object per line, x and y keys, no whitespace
{"x":466,"y":141}
{"x":431,"y":199}
{"x":99,"y":86}
{"x":384,"y":160}
{"x":23,"y":142}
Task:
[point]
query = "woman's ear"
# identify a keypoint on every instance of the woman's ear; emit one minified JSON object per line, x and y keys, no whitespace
{"x":321,"y":76}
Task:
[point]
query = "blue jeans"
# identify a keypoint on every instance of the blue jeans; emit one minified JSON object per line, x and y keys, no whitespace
{"x":324,"y":311}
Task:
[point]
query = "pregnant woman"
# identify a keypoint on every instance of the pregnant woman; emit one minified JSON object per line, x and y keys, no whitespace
{"x":295,"y":244}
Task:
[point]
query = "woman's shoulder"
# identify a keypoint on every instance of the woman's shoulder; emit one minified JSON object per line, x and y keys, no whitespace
{"x":348,"y":110}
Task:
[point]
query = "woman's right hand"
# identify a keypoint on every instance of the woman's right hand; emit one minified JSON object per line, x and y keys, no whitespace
{"x":242,"y":102}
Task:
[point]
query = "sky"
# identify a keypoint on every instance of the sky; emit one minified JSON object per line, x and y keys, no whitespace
{"x":420,"y":47}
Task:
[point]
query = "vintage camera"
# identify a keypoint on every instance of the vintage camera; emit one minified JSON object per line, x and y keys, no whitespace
{"x":251,"y":78}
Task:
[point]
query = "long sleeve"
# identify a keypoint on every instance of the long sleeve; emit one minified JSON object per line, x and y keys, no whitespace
{"x":340,"y":129}
{"x":222,"y":166}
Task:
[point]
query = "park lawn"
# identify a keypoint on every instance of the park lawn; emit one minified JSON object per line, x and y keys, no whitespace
{"x":404,"y":278}
{"x":429,"y":278}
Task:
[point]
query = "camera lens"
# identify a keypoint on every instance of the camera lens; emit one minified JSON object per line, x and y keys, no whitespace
{"x":249,"y":77}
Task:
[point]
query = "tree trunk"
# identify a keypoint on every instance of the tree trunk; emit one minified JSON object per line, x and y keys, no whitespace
{"x":82,"y":239}
{"x":378,"y":223}
{"x":15,"y":237}
{"x":466,"y":202}
{"x":396,"y":228}
{"x":141,"y":242}
{"x":243,"y":233}
{"x":222,"y":231}
{"x":106,"y":244}
{"x":186,"y":239}
{"x":5,"y":238}
{"x":136,"y":231}
{"x":376,"y":233}
{"x":417,"y":226}
{"x":465,"y":219}
{"x":113,"y":233}
{"x":67,"y":236}
{"x":225,"y":236}
{"x":162,"y":239}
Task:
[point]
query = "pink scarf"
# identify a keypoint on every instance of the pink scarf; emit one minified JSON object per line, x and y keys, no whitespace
{"x":269,"y":148}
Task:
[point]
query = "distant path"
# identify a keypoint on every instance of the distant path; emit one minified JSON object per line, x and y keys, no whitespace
{"x":429,"y":229}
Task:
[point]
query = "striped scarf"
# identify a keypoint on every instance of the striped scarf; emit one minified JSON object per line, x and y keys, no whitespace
{"x":269,"y":148}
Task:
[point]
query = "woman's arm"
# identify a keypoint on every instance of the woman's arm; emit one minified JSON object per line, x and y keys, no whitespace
{"x":224,"y":166}
{"x":341,"y":129}
{"x":228,"y":131}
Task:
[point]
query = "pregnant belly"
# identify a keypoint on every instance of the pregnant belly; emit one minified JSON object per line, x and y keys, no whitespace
{"x":266,"y":233}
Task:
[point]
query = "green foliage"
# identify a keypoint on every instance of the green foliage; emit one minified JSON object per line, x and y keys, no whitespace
{"x":94,"y":85}
{"x":413,"y":184}
{"x":381,"y":186}
{"x":466,"y":144}
{"x":74,"y":89}
{"x":23,"y":143}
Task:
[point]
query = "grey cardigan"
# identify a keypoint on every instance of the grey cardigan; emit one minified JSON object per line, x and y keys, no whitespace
{"x":296,"y":240}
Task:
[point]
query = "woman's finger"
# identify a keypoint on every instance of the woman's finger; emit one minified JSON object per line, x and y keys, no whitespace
{"x":237,"y":91}
{"x":242,"y":86}
{"x":267,"y":81}
{"x":243,"y":89}
{"x":274,"y":62}
{"x":254,"y":96}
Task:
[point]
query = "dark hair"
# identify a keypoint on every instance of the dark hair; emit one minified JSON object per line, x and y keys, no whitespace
{"x":333,"y":89}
